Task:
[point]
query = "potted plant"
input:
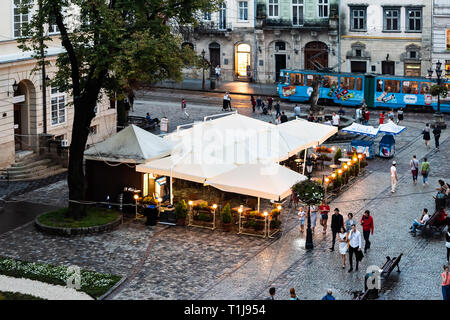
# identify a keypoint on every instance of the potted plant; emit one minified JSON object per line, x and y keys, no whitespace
{"x":226,"y":218}
{"x":337,"y":156}
{"x":181,"y":212}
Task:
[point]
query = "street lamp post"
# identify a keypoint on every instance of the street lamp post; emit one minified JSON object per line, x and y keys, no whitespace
{"x":203,"y":69}
{"x":309,"y":240}
{"x":438,"y":116}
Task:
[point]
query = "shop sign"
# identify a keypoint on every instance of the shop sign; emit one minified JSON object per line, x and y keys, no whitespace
{"x":161,"y":181}
{"x":18,"y":99}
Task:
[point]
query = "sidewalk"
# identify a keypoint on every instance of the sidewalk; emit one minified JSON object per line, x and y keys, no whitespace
{"x":234,"y":87}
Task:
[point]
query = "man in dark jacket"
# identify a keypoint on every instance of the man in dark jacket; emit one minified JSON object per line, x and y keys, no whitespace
{"x":283,"y":117}
{"x":337,"y":221}
{"x":437,"y":135}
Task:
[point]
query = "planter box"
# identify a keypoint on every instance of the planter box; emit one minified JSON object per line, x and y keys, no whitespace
{"x":167,"y":215}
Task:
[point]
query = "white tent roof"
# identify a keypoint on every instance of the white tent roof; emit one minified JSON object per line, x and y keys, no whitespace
{"x":189,"y":168}
{"x":357,"y":128}
{"x":130,"y":145}
{"x":309,"y":133}
{"x":270,"y":181}
{"x":390,"y":128}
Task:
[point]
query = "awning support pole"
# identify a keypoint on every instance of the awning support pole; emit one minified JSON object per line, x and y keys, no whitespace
{"x":258,"y":203}
{"x":304,"y":161}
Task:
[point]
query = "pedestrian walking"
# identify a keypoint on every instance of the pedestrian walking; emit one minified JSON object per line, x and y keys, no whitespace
{"x":354,"y":247}
{"x":259,"y":103}
{"x":293,"y":294}
{"x":329,"y":295}
{"x":425,"y":170}
{"x":394,"y":176}
{"x":297,"y":111}
{"x":269,"y":104}
{"x":399,"y":116}
{"x":414,"y":165}
{"x":337,"y":221}
{"x":217,"y":72}
{"x":358,"y":115}
{"x":391,"y":115}
{"x":301,"y":218}
{"x":367,"y":226}
{"x":447,"y":244}
{"x":366,"y":116}
{"x":183,"y":108}
{"x":313,"y":217}
{"x":341,"y":111}
{"x":271,"y":294}
{"x":277,"y":109}
{"x":445,"y":284}
{"x":349,"y":222}
{"x":343,"y":245}
{"x":426,"y":135}
{"x":381,"y":119}
{"x":336,"y":119}
{"x":225,"y":102}
{"x":324,"y":209}
{"x":229,"y":101}
{"x":253,"y":102}
{"x":437,"y":135}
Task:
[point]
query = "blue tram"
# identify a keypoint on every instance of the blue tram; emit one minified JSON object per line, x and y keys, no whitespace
{"x":349,"y":89}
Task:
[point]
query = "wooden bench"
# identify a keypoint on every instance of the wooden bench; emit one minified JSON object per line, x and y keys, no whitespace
{"x":430,"y":227}
{"x":386,"y":270}
{"x":141,"y":122}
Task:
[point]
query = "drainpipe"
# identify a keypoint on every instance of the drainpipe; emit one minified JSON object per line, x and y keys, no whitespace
{"x":255,"y":68}
{"x":339,"y":35}
{"x":44,"y":87}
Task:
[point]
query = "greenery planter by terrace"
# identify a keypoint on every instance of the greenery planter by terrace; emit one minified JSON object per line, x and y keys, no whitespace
{"x":226,"y":227}
{"x":97,"y":220}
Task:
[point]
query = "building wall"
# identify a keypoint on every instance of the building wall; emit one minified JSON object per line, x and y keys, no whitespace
{"x":17,"y":66}
{"x":376,"y":43}
{"x":441,"y":34}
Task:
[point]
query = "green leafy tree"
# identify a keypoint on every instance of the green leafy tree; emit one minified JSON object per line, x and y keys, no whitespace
{"x":181,"y":210}
{"x":110,"y":47}
{"x":337,"y":156}
{"x":309,"y":192}
{"x":226,"y":214}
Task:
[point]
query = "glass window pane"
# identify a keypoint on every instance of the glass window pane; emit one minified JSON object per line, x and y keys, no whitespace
{"x":410,"y":87}
{"x":392,"y":86}
{"x":425,"y":87}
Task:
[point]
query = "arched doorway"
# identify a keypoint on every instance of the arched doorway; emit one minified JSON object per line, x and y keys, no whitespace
{"x":214,"y":56}
{"x":316,"y":55}
{"x":242,"y":63}
{"x":280,"y":58}
{"x":24,"y":103}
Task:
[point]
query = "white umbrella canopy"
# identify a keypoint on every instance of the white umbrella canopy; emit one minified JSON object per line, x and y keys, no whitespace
{"x":189,"y":167}
{"x":268,"y":181}
{"x":309,"y":133}
{"x":357,"y":128}
{"x":390,"y":128}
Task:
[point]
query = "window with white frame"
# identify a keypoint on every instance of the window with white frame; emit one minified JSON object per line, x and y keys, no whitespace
{"x":358,"y":18}
{"x":53,"y":27}
{"x":323,"y":8}
{"x":414,"y":19}
{"x":273,"y":8}
{"x":20,"y":18}
{"x":391,"y":20}
{"x":58,"y":103}
{"x":243,"y":10}
{"x":297,"y":12}
{"x":207,"y":16}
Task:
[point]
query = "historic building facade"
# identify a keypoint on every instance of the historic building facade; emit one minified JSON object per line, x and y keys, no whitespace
{"x":386,"y":37}
{"x":441,"y":34}
{"x":23,"y":119}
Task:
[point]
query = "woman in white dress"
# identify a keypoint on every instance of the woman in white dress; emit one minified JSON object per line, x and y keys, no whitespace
{"x":343,"y":247}
{"x":313,"y":217}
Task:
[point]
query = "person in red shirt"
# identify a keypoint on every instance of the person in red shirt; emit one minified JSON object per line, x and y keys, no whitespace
{"x":381,"y":117}
{"x":367,"y":224}
{"x":324,"y":209}
{"x":366,"y":116}
{"x":442,"y":218}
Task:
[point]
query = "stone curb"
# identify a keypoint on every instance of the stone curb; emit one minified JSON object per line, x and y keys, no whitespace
{"x":68,"y":232}
{"x":114,"y":287}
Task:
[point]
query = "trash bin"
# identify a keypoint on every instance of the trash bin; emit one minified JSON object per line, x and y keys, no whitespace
{"x":151,"y":212}
{"x":213,"y":83}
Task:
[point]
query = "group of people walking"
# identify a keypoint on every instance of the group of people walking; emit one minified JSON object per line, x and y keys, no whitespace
{"x":265,"y":107}
{"x":427,"y":137}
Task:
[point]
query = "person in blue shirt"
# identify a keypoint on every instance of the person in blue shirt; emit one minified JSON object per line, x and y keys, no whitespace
{"x":329,"y":295}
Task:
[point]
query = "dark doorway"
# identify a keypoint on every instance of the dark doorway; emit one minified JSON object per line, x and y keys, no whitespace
{"x":358,"y":66}
{"x":388,"y":67}
{"x":280,"y":63}
{"x":17,"y":127}
{"x":316,"y":55}
{"x":214,"y":56}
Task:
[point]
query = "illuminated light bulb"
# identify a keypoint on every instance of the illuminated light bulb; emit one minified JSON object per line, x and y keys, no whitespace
{"x":191,"y":202}
{"x":349,"y":163}
{"x":345,"y":166}
{"x":279,"y":207}
{"x":214,"y":206}
{"x":327,"y":180}
{"x":334,"y":175}
{"x":339,"y":171}
{"x":359,"y":156}
{"x":265,"y":213}
{"x":136,"y":197}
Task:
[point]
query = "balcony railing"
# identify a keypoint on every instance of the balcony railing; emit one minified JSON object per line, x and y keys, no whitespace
{"x":214,"y":27}
{"x":273,"y":23}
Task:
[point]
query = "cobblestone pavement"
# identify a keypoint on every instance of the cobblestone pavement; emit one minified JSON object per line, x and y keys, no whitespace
{"x":187,"y":263}
{"x":55,"y":194}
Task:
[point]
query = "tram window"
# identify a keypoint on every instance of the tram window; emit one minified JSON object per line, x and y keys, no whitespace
{"x":348,"y":83}
{"x":310,"y":78}
{"x":379,"y":85}
{"x":334,"y":82}
{"x":359,"y":84}
{"x":410,"y":87}
{"x":299,"y":79}
{"x":392,"y":86}
{"x":326,"y":82}
{"x":425,"y":87}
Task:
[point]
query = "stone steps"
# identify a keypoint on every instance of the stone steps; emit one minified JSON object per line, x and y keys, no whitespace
{"x":54,"y":170}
